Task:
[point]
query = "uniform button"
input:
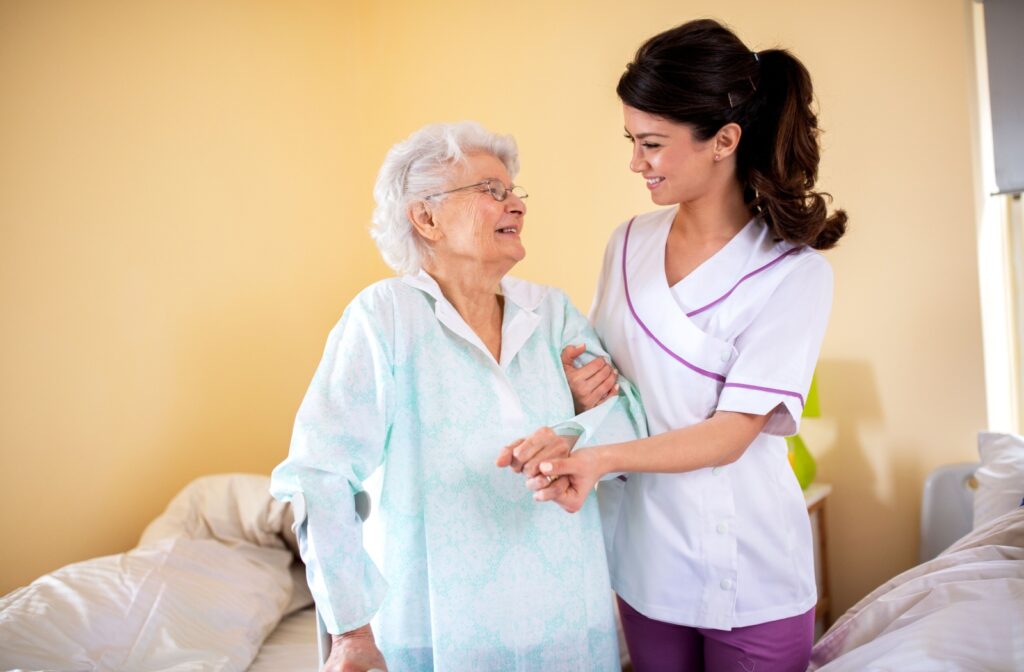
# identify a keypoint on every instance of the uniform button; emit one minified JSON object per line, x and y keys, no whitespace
{"x":726,"y":355}
{"x":716,"y":470}
{"x":722,"y":528}
{"x":726,"y":584}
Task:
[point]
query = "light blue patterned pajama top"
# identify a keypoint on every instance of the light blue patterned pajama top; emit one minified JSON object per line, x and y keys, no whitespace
{"x":473,"y":574}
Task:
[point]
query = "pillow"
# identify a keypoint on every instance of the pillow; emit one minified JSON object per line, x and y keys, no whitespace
{"x":231,"y":508}
{"x":173,"y":604}
{"x":1000,"y":476}
{"x":208,"y":582}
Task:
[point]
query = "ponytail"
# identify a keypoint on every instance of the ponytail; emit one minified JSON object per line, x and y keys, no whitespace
{"x":702,"y":75}
{"x":779,"y":153}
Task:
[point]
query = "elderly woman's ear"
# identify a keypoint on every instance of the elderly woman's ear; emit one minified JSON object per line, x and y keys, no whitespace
{"x":422,"y":219}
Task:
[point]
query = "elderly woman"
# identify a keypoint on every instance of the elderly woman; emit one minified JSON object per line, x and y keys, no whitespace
{"x":429,"y":374}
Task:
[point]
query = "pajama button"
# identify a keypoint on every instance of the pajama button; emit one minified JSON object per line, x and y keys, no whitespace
{"x":726,"y":584}
{"x":716,"y":470}
{"x":722,"y":528}
{"x":726,"y":355}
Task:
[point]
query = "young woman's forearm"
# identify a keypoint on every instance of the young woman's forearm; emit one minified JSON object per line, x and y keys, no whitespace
{"x":719,"y":440}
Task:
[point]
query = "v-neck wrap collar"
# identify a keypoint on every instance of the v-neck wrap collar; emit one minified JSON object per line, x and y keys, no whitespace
{"x":664,"y":313}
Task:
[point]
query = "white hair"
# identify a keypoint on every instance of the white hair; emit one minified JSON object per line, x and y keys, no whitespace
{"x":417,"y":167}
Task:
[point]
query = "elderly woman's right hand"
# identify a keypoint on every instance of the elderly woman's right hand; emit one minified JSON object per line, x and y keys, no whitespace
{"x":590,"y":384}
{"x":355,"y":651}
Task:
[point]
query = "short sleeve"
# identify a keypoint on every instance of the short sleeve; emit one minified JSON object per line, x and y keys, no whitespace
{"x":339,"y":439}
{"x":620,"y":418}
{"x":777,"y":352}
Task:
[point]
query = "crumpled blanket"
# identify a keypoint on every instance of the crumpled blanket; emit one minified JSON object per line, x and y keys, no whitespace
{"x":963,"y":610}
{"x":209,"y":580}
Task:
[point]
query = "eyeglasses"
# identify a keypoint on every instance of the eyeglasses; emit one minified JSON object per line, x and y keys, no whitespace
{"x":496,"y":188}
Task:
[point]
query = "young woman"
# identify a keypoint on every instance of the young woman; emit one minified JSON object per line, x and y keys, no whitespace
{"x":716,"y":307}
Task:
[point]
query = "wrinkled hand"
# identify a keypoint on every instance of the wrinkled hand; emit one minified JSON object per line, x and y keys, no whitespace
{"x":592,"y":383}
{"x":355,"y":651}
{"x":573,"y":479}
{"x":525,"y":455}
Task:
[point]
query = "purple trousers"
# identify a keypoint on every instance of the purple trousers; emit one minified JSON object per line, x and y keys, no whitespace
{"x":776,"y":646}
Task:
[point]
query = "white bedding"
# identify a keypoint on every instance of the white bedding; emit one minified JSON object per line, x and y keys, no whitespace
{"x":963,"y":610}
{"x":291,"y":647}
{"x":208,"y":582}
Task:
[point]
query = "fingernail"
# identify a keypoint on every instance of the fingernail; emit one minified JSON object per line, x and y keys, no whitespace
{"x":545,"y":467}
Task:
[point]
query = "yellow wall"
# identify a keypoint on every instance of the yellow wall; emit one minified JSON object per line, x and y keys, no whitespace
{"x":185,"y":188}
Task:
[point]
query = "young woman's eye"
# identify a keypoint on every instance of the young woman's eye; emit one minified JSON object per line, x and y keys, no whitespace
{"x":649,"y":145}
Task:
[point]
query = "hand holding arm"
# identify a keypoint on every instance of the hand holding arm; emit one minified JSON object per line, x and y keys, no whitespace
{"x":591,"y":384}
{"x":719,"y":440}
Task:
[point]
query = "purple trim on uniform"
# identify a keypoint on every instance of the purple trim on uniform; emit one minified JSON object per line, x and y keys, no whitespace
{"x":714,"y":376}
{"x":625,"y":285}
{"x":767,"y":389}
{"x":754,"y":272}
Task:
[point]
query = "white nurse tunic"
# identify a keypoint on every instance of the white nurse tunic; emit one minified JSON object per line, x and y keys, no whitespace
{"x":728,"y":546}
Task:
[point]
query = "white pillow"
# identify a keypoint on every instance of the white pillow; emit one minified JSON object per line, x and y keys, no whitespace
{"x":207,"y":583}
{"x":1000,"y":476}
{"x":176,"y":604}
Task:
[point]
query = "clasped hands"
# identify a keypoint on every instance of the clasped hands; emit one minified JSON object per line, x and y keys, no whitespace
{"x":553,"y":472}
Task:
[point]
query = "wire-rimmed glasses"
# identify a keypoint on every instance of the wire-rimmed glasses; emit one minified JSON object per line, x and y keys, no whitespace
{"x":496,"y":188}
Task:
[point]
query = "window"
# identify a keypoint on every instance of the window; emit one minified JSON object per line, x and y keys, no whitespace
{"x":999,"y":53}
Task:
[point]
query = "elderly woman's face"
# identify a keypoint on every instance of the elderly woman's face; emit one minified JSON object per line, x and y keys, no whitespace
{"x":473,"y":225}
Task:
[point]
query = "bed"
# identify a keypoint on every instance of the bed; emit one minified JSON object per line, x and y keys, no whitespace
{"x":214,"y":584}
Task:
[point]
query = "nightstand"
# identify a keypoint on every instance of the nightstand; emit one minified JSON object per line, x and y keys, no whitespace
{"x":815,"y":495}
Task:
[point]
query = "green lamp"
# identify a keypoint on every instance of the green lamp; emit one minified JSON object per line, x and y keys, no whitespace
{"x":799,"y":457}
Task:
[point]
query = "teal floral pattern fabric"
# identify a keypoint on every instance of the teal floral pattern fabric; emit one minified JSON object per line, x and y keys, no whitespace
{"x":472,"y":574}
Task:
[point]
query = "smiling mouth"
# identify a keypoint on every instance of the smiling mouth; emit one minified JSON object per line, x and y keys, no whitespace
{"x":653,"y":181}
{"x":509,"y":229}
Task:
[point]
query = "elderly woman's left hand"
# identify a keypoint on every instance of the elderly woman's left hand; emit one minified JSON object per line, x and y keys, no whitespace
{"x":525,"y":455}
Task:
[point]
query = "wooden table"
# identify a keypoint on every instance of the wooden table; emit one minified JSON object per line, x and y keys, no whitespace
{"x":815,"y":495}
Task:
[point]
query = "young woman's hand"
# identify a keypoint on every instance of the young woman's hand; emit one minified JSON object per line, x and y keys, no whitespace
{"x":567,"y":481}
{"x":525,"y":455}
{"x":355,"y":651}
{"x":590,"y":384}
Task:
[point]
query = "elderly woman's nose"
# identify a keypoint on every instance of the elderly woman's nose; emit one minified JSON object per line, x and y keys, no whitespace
{"x":514,"y":204}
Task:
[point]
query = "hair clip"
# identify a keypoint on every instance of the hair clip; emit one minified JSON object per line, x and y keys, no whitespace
{"x":756,"y":57}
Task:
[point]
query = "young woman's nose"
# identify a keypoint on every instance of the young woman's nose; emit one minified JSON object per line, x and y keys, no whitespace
{"x":637,"y":162}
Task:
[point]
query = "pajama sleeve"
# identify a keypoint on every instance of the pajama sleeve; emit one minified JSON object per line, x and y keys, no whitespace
{"x":778,"y":350}
{"x":339,"y":439}
{"x":620,"y":418}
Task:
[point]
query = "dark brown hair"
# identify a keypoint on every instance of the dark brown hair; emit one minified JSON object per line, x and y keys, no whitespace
{"x":702,"y":75}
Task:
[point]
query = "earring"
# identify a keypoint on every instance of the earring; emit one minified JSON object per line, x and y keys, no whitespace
{"x":717,"y":157}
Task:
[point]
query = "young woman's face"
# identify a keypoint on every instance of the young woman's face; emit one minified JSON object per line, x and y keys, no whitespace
{"x":675,"y":166}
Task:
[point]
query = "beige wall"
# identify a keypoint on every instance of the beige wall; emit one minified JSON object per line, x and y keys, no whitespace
{"x":184,"y":191}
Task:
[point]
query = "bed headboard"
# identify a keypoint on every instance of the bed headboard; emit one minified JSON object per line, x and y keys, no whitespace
{"x":947,"y":507}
